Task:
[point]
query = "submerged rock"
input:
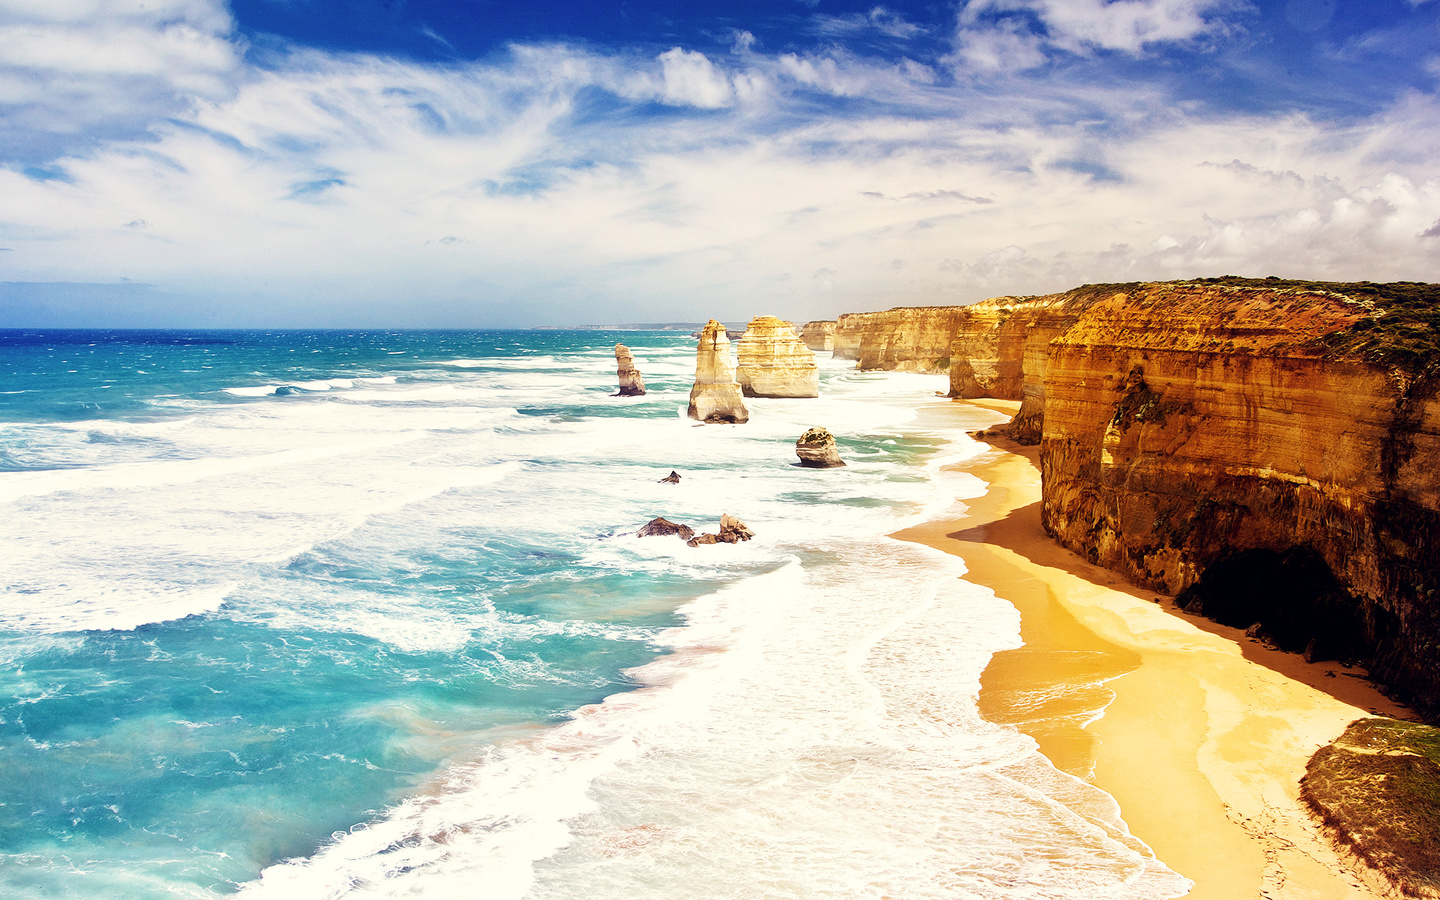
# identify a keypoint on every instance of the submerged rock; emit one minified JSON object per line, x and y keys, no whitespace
{"x":715,"y":398}
{"x":816,"y":449}
{"x":672,"y":478}
{"x":732,"y":531}
{"x":631,"y":384}
{"x":774,"y":362}
{"x":661,"y":527}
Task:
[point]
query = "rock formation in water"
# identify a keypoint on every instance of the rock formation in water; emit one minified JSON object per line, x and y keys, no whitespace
{"x":774,"y":362}
{"x":715,"y":398}
{"x":672,"y":478}
{"x":631,"y":384}
{"x":816,"y":449}
{"x":732,"y":531}
{"x":1183,"y":424}
{"x":818,"y":335}
{"x":661,"y":527}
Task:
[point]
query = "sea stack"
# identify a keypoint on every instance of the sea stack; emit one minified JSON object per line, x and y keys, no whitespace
{"x":631,"y":384}
{"x":715,"y":398}
{"x":819,"y":335}
{"x":774,"y":362}
{"x":816,"y":449}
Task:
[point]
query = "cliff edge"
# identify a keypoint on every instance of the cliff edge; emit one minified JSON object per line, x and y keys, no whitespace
{"x":1200,"y":437}
{"x":1205,"y":437}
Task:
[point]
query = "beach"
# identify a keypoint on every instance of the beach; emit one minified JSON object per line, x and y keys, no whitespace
{"x":1199,"y":733}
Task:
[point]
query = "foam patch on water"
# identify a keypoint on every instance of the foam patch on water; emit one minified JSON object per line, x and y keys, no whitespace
{"x":812,"y":733}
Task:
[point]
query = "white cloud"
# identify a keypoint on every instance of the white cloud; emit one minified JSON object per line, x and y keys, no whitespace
{"x":75,"y":67}
{"x":880,"y":19}
{"x":1011,"y":35}
{"x":1001,"y":49}
{"x":692,"y":80}
{"x":336,"y":185}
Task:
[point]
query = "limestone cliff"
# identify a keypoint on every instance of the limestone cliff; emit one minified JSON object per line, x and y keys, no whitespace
{"x":818,"y":335}
{"x":1259,"y":427}
{"x":773,"y":362}
{"x":715,"y":396}
{"x":906,"y":339}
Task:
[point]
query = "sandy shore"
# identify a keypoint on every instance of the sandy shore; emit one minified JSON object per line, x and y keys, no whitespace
{"x":1202,"y":734}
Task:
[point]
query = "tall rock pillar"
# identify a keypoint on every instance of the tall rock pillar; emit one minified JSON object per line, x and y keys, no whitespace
{"x":715,"y":398}
{"x":631,"y":384}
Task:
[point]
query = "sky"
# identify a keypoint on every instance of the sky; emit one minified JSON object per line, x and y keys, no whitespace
{"x":514,"y":163}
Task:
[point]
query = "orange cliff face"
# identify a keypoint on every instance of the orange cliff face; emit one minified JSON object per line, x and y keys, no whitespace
{"x":1195,"y":427}
{"x":907,"y":339}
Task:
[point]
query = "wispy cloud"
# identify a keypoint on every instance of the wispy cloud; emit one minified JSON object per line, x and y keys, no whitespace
{"x":74,"y":71}
{"x":553,"y":181}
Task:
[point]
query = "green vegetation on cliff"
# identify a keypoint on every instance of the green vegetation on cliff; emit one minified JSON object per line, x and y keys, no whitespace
{"x":1401,"y":332}
{"x":1377,"y":788}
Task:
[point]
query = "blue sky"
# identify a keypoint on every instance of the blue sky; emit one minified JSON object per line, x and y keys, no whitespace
{"x":478,"y":163}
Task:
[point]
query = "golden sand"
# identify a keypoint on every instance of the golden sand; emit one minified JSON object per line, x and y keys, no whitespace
{"x":1207,"y":733}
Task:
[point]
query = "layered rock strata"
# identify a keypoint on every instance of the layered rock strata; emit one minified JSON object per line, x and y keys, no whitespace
{"x":816,"y":449}
{"x":1183,"y":425}
{"x":774,"y":362}
{"x":1266,"y":426}
{"x":715,"y":397}
{"x":905,"y":339}
{"x":631,"y":384}
{"x":818,"y":335}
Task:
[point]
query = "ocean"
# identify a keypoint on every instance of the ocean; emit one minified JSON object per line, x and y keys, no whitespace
{"x":363,"y":614}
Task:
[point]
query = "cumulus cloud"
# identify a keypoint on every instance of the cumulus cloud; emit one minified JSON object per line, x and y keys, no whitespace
{"x":690,"y":79}
{"x":75,"y":70}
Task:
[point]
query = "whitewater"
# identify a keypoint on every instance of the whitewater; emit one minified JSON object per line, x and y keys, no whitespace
{"x":363,"y":614}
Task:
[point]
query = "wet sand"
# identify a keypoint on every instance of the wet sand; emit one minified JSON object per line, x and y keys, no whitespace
{"x":1199,"y":733}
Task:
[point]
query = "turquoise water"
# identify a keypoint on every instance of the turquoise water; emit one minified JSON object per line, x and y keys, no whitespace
{"x":313,"y":614}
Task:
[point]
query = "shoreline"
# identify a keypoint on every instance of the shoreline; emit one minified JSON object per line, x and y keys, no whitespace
{"x":1200,"y":734}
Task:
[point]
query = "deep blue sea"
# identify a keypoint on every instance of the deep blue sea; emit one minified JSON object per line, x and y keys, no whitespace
{"x":363,"y":614}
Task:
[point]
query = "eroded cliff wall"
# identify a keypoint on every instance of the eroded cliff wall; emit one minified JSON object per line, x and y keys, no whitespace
{"x":1184,"y":424}
{"x":1278,"y":432}
{"x":905,"y":339}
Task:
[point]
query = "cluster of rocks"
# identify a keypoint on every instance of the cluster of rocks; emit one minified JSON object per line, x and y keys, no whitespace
{"x":732,"y":531}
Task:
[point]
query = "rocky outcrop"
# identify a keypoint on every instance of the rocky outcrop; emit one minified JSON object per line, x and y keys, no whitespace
{"x":1186,"y":424}
{"x":715,"y":398}
{"x":1000,"y":350}
{"x":732,"y":531}
{"x":672,"y":478}
{"x":816,"y":449}
{"x":907,"y":339}
{"x":818,"y":335}
{"x":1286,"y":432}
{"x":986,"y":350}
{"x":662,"y":527}
{"x":773,"y":362}
{"x":1374,"y":789}
{"x":631,"y":384}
